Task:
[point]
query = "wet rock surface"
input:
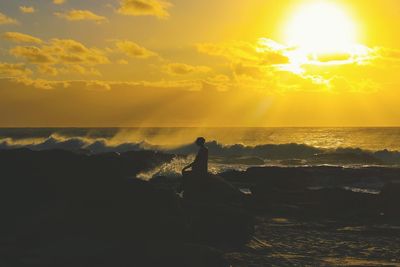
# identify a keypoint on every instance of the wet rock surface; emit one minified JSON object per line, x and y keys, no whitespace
{"x":293,"y":242}
{"x":74,"y":209}
{"x":66,"y":209}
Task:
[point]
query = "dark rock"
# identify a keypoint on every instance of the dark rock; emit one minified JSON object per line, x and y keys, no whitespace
{"x":275,"y":178}
{"x":211,"y":189}
{"x":215,"y":211}
{"x":346,"y":157}
{"x":185,"y":255}
{"x":390,"y":199}
{"x":51,"y":200}
{"x":334,"y":202}
{"x":219,"y":224}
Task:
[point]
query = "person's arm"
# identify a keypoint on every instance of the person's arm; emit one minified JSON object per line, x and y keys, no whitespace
{"x":187,"y":167}
{"x":191,"y":164}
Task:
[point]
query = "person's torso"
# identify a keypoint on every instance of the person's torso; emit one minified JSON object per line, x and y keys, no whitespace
{"x":201,"y":162}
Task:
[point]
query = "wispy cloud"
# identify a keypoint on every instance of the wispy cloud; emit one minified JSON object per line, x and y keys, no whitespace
{"x":59,"y":56}
{"x":81,"y":15}
{"x":269,"y":66}
{"x":133,"y":50}
{"x":32,"y":54}
{"x":4,"y":19}
{"x":184,"y":69}
{"x":21,"y":38}
{"x":27,"y":9}
{"x":157,"y":8}
{"x":13,"y":70}
{"x":59,"y":2}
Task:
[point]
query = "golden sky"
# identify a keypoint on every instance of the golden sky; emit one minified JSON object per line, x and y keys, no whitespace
{"x":98,"y":63}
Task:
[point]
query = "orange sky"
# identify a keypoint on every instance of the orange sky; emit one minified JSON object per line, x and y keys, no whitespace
{"x":199,"y":63}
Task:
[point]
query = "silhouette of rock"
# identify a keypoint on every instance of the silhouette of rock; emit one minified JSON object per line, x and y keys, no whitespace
{"x":311,"y":191}
{"x":186,"y":254}
{"x":390,"y":199}
{"x":51,"y":200}
{"x":280,"y":178}
{"x":338,"y":202}
{"x":225,"y":225}
{"x":64,"y":208}
{"x":215,"y":210}
{"x":210,"y":189}
{"x":300,"y":178}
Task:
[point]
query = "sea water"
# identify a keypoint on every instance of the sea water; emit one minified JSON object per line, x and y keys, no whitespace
{"x":363,"y":138}
{"x":235,"y":148}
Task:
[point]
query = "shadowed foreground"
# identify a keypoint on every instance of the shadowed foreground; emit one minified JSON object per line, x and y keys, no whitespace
{"x":71,"y":209}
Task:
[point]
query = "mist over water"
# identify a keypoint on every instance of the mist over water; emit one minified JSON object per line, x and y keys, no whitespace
{"x":230,"y":148}
{"x":363,"y":138}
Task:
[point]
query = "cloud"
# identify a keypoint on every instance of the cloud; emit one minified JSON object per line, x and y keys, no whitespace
{"x":340,"y":84}
{"x":388,"y":55}
{"x":47,"y":70}
{"x":329,"y":57}
{"x":271,"y":81}
{"x":161,"y":104}
{"x":79,"y":69}
{"x":59,"y":2}
{"x":103,"y":85}
{"x":32,"y":54}
{"x":161,"y":86}
{"x":121,"y":103}
{"x":180,"y":85}
{"x":262,"y":66}
{"x":219,"y":82}
{"x":61,"y":51}
{"x":158,"y":8}
{"x":134,"y":50}
{"x":255,"y":66}
{"x":81,"y":15}
{"x":271,"y":67}
{"x":98,"y":86}
{"x":71,"y":51}
{"x":21,"y":38}
{"x":27,"y":9}
{"x":122,"y":62}
{"x":61,"y":56}
{"x":4,"y":19}
{"x":13,"y":70}
{"x":51,"y":70}
{"x":184,"y":69}
{"x":40,"y":83}
{"x":232,"y":51}
{"x":265,"y":51}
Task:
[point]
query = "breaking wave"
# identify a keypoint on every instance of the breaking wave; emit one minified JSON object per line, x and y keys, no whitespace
{"x":237,"y":154}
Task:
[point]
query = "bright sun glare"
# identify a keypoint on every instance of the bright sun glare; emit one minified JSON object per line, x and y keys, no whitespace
{"x":321,"y":28}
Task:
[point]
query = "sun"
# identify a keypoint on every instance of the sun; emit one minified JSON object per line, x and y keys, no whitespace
{"x":321,"y":27}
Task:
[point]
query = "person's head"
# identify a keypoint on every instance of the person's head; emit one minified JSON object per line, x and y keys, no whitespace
{"x":200,"y":141}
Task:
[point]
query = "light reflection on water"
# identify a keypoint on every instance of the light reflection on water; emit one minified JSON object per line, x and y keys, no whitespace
{"x":364,"y":138}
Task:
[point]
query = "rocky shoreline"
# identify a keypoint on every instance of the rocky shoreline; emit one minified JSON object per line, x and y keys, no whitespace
{"x":65,"y":208}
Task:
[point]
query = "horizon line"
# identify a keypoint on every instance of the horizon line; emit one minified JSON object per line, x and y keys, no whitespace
{"x":211,"y":126}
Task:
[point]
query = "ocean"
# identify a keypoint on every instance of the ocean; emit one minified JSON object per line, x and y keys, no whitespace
{"x":329,"y":138}
{"x":230,"y":148}
{"x":319,"y":199}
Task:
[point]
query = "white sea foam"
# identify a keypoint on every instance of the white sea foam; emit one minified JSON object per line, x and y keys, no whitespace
{"x":236,"y":147}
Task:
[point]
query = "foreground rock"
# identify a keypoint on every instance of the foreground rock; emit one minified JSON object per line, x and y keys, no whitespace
{"x":390,"y":199}
{"x":215,"y":211}
{"x":210,"y":189}
{"x":320,"y":191}
{"x":66,"y":209}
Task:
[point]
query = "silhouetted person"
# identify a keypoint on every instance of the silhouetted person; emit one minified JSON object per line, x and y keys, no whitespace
{"x":200,"y":165}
